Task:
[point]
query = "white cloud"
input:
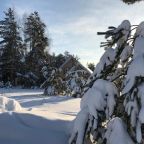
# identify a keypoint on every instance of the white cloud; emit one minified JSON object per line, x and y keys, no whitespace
{"x":85,"y":28}
{"x":72,"y":25}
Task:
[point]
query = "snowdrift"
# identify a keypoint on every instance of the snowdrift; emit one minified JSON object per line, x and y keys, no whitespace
{"x":7,"y":104}
{"x":26,"y":128}
{"x":27,"y":117}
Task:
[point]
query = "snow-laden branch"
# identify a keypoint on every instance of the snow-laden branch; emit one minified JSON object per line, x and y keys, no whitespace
{"x":97,"y":104}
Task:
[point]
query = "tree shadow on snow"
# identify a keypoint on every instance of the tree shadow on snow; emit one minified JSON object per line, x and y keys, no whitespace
{"x":38,"y":100}
{"x":27,"y":128}
{"x":69,"y":113}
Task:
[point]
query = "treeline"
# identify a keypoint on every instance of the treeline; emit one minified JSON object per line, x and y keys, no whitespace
{"x":24,"y":50}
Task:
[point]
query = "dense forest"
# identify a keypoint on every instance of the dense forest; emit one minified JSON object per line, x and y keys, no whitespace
{"x":25,"y":59}
{"x":24,"y":51}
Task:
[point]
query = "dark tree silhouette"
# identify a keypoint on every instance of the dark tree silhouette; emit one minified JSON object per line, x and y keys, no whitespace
{"x":91,"y":66}
{"x":11,"y":47}
{"x":131,"y":1}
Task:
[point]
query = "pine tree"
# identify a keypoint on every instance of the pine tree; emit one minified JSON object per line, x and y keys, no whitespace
{"x":37,"y":43}
{"x":58,"y":60}
{"x":74,"y":82}
{"x":113,"y":103}
{"x":11,"y":46}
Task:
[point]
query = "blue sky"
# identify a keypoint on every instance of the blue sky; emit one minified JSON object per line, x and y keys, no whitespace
{"x":73,"y":24}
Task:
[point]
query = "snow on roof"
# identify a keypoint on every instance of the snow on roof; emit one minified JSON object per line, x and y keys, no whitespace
{"x":87,"y":69}
{"x":71,"y":57}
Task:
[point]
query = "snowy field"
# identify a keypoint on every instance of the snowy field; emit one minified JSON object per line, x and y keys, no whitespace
{"x":38,"y":119}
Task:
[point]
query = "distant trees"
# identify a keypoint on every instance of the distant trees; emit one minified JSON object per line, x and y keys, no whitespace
{"x":66,"y":76}
{"x":24,"y":52}
{"x":91,"y":66}
{"x":37,"y":42}
{"x":22,"y":55}
{"x":58,"y":60}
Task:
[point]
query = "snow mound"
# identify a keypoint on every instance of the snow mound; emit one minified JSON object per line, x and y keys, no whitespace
{"x":7,"y":104}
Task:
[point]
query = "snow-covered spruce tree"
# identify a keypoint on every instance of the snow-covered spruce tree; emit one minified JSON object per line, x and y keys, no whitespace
{"x":63,"y":81}
{"x":36,"y":42}
{"x":108,"y":65}
{"x":11,"y":47}
{"x":74,"y":82}
{"x":134,"y":87}
{"x":112,"y":106}
{"x":54,"y":84}
{"x":58,"y":83}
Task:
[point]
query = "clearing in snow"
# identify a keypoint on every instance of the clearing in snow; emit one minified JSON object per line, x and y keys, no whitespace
{"x":28,"y":117}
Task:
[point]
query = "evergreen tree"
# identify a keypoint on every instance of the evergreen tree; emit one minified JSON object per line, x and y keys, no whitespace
{"x":112,"y":104}
{"x":37,"y":44}
{"x":91,"y":66}
{"x":11,"y":46}
{"x":59,"y":60}
{"x":74,"y":82}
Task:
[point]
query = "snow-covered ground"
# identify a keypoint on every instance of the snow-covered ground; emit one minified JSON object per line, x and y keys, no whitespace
{"x":38,"y":119}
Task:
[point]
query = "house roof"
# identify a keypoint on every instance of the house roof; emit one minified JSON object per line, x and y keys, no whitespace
{"x":68,"y":60}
